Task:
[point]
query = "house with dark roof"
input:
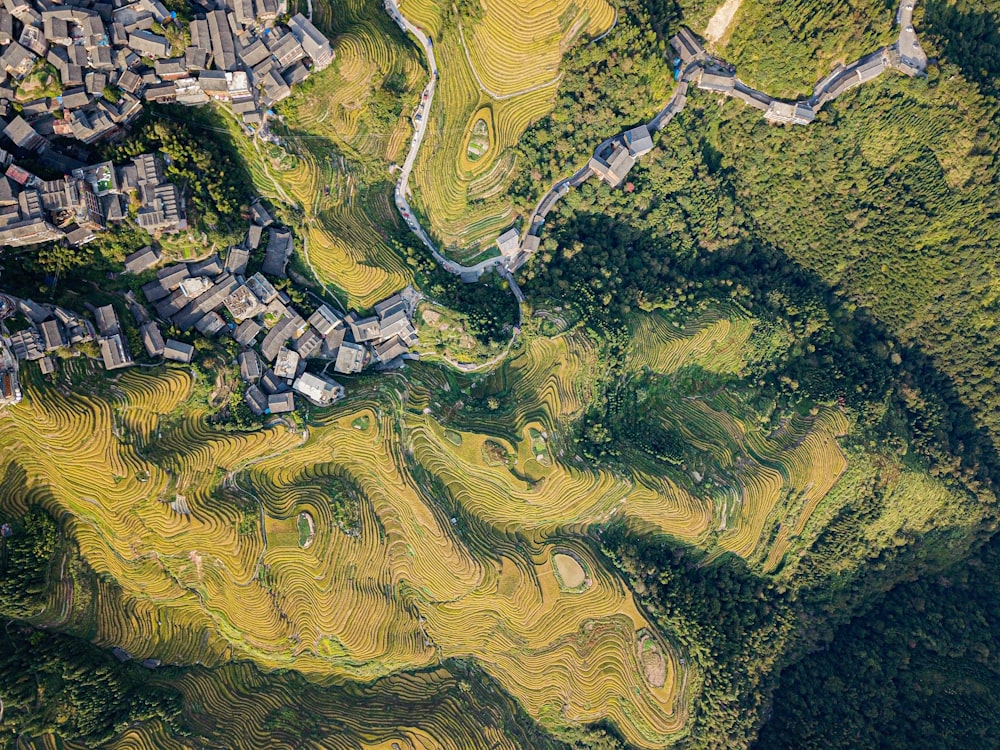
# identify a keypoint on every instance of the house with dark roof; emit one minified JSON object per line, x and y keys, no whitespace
{"x":149,"y":44}
{"x":279,"y":250}
{"x":325,"y":321}
{"x":317,"y":389}
{"x":388,"y":349}
{"x":281,"y":403}
{"x":249,"y":366}
{"x":509,"y":243}
{"x":236,"y":260}
{"x":246,"y":332}
{"x":17,"y":61}
{"x":271,"y":383}
{"x":142,"y":260}
{"x":687,"y":46}
{"x":23,"y":135}
{"x":364,"y":329}
{"x":717,"y":80}
{"x":223,"y":43}
{"x":615,"y":167}
{"x":259,"y":214}
{"x":256,"y":400}
{"x":286,"y":363}
{"x":316,"y":46}
{"x":107,"y":320}
{"x":639,"y":141}
{"x":210,"y":324}
{"x":52,"y":335}
{"x":29,"y":232}
{"x":275,"y":339}
{"x":307,"y":344}
{"x":114,"y":352}
{"x":152,"y":339}
{"x":206,"y":302}
{"x":177,"y":351}
{"x":210,"y":266}
{"x":350,"y":358}
{"x":163,"y":210}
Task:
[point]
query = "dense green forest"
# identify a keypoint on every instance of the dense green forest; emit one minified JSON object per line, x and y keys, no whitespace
{"x":51,"y":681}
{"x":55,"y":682}
{"x":921,"y":669}
{"x":876,"y":244}
{"x":785,"y":48}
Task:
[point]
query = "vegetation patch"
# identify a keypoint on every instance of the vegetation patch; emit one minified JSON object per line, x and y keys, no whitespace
{"x":42,"y":82}
{"x":307,"y":529}
{"x":480,"y":136}
{"x":539,"y":446}
{"x":495,"y":454}
{"x":654,"y":665}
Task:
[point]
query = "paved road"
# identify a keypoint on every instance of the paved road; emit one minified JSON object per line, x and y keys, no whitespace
{"x":402,"y":192}
{"x":908,"y":46}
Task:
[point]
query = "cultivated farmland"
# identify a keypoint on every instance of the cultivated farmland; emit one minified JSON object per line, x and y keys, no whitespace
{"x":499,"y":66}
{"x":456,"y":523}
{"x":345,"y":127}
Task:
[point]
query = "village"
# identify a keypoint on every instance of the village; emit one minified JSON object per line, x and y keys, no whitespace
{"x":211,"y":297}
{"x":82,"y":71}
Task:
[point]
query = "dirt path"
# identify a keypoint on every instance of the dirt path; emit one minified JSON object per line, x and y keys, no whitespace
{"x":719,"y":24}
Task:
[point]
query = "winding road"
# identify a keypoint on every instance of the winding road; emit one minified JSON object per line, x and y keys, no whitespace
{"x":402,"y":192}
{"x":906,"y":51}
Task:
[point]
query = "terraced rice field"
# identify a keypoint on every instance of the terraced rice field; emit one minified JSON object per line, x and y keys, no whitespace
{"x":504,"y":64}
{"x":396,"y":594}
{"x":757,"y":477}
{"x":517,"y":45}
{"x":717,"y":344}
{"x":335,"y":163}
{"x":406,"y":531}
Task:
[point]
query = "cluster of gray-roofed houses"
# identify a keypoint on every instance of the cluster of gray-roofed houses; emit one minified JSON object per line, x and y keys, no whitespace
{"x":109,"y":59}
{"x":193,"y":296}
{"x":238,"y":53}
{"x":214,"y":296}
{"x":84,"y":202}
{"x":10,"y":388}
{"x":615,"y":157}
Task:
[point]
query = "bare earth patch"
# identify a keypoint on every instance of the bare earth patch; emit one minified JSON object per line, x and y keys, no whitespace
{"x":194,"y":557}
{"x":430,"y":317}
{"x":571,"y":572}
{"x":720,"y":22}
{"x":654,"y":665}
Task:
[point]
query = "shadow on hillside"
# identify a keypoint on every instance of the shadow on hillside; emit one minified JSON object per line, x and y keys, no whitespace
{"x":841,"y":352}
{"x":968,"y":38}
